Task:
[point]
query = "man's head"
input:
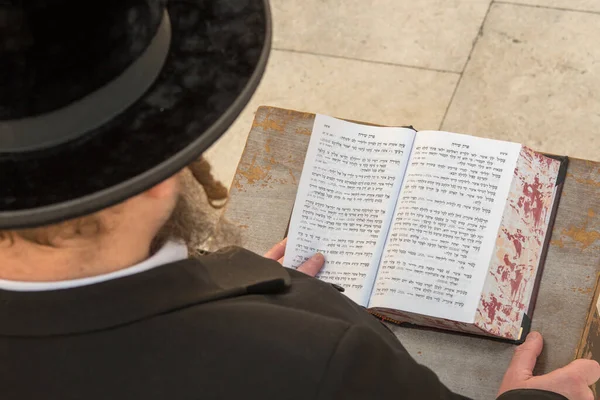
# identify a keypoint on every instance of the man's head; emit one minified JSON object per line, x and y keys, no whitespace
{"x":83,"y":131}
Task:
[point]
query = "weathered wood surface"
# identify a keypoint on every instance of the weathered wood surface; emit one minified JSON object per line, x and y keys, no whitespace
{"x":262,"y":197}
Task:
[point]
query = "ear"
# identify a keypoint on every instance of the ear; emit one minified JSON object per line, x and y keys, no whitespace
{"x":166,"y":188}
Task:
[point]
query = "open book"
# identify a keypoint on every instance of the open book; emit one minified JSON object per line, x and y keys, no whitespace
{"x":431,"y":228}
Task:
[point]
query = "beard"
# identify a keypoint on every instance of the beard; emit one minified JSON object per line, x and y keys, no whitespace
{"x":195,"y":222}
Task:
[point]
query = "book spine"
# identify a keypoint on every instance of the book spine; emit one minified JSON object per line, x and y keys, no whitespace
{"x":384,"y":318}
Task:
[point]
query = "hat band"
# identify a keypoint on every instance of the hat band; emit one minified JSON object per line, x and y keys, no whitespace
{"x":93,"y":110}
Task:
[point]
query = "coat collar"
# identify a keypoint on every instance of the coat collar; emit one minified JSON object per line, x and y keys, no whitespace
{"x":229,"y":273}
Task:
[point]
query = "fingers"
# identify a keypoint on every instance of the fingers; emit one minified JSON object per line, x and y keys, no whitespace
{"x":525,"y":356}
{"x":572,"y":381}
{"x":588,"y":394}
{"x":587,"y":370}
{"x":313,"y":265}
{"x":277,"y":251}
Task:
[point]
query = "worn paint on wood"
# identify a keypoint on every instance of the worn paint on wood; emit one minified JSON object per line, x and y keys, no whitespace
{"x":584,"y":236}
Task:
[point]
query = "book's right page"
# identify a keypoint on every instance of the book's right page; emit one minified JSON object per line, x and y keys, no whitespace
{"x":445,"y":224}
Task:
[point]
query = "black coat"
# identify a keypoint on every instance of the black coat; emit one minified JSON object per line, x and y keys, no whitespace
{"x":228,"y":326}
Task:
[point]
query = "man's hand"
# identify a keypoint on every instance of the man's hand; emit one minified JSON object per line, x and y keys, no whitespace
{"x":311,"y":267}
{"x":572,"y":381}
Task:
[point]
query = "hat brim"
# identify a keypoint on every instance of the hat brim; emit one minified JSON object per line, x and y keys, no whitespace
{"x":218,"y":54}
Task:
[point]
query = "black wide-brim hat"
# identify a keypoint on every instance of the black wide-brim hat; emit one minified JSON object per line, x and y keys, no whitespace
{"x":101,"y":100}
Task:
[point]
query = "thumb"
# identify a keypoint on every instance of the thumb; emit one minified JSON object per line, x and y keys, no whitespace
{"x":525,"y":356}
{"x":313,"y":265}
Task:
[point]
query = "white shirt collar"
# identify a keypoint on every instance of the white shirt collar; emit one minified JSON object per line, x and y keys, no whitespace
{"x":170,"y":252}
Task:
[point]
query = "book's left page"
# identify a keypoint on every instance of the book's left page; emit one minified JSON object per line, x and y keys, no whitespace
{"x":350,"y":182}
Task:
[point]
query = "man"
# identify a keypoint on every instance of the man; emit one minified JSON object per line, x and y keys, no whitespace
{"x":101,"y":105}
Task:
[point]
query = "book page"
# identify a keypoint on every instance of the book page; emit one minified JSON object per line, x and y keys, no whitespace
{"x":445,"y":225}
{"x":349,"y":186}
